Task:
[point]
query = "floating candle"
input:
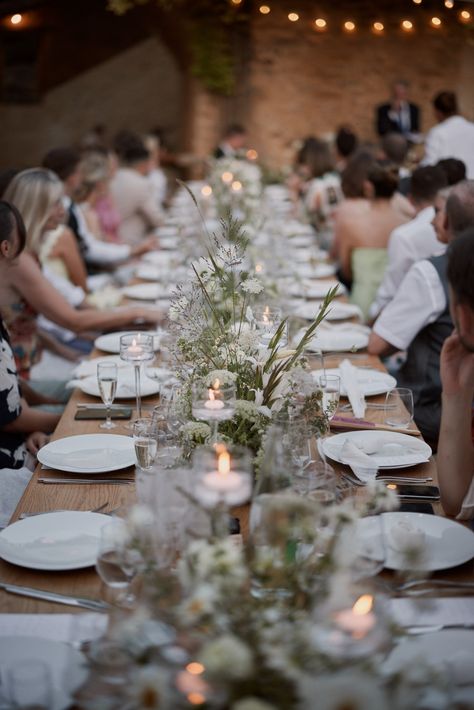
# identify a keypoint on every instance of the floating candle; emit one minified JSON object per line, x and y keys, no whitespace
{"x":359,"y":620}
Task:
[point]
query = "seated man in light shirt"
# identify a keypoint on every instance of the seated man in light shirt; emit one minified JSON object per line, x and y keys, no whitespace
{"x":418,"y":319}
{"x":453,"y":135}
{"x":455,"y":460}
{"x":414,"y":240}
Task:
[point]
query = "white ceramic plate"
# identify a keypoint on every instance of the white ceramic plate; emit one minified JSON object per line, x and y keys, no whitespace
{"x":54,"y":541}
{"x":445,"y":543}
{"x":162,"y":258}
{"x":145,"y":292}
{"x":67,"y":666}
{"x":391,"y":449}
{"x":125,"y":385}
{"x":336,"y":311}
{"x":89,"y":453}
{"x":150,"y":272}
{"x":110,"y":342}
{"x":315,"y":289}
{"x":319,"y":271}
{"x":339,"y":340}
{"x":371,"y":382}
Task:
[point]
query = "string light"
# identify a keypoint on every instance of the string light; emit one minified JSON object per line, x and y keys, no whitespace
{"x":436,"y":22}
{"x":236,"y":2}
{"x":464,"y":15}
{"x":349,"y":26}
{"x":293,"y":17}
{"x":378,"y":27}
{"x":407,"y":25}
{"x":227,"y":177}
{"x":252,"y":154}
{"x":449,"y":4}
{"x":206,"y":191}
{"x":417,"y":2}
{"x":264,"y":9}
{"x":16,"y":19}
{"x":320,"y":23}
{"x":236,"y":186}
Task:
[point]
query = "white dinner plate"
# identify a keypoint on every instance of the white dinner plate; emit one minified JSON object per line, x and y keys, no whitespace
{"x":110,"y":342}
{"x":336,"y":311}
{"x":339,"y":339}
{"x":315,"y":289}
{"x":67,"y":666}
{"x":54,"y":541}
{"x":387,"y":449}
{"x":125,"y":385}
{"x":89,"y":453}
{"x":151,"y":272}
{"x":87,"y":368}
{"x":371,"y":382}
{"x":162,"y":258}
{"x":145,"y":292}
{"x":302,"y":241}
{"x":319,"y":271}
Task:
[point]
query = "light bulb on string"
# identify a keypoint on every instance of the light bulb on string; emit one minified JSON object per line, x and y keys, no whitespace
{"x":449,"y":4}
{"x":16,"y":19}
{"x":378,"y":27}
{"x":349,"y":26}
{"x":465,"y":16}
{"x":235,"y":2}
{"x":293,"y":17}
{"x":264,"y":9}
{"x":320,"y":24}
{"x":407,"y":25}
{"x":417,"y":2}
{"x":436,"y":22}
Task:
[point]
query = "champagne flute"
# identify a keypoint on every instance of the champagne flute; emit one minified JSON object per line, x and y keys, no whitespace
{"x":107,"y":379}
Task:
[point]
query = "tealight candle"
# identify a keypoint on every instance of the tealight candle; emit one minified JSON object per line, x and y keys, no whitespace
{"x":213,"y":403}
{"x":359,"y":620}
{"x":134,"y":349}
{"x":222,"y":479}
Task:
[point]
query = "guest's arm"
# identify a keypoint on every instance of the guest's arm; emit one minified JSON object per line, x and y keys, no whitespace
{"x":30,"y":420}
{"x":34,"y":398}
{"x":36,"y":441}
{"x":67,"y":250}
{"x":455,"y":459}
{"x":379,"y":346}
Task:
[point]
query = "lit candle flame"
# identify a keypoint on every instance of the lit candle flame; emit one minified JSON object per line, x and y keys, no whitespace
{"x":223,"y":463}
{"x":195,"y":668}
{"x":266,"y":313}
{"x":134,"y":343}
{"x":363,"y":605}
{"x":216,"y":384}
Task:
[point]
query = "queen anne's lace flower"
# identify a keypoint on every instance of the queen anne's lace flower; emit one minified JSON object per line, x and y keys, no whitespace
{"x":253,"y":286}
{"x":227,"y":657}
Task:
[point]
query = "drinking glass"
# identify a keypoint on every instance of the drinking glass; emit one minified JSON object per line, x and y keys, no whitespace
{"x":267,"y":321}
{"x":213,"y":403}
{"x":117,"y":563}
{"x":30,"y":685}
{"x":107,"y":379}
{"x":317,"y":482}
{"x":137,"y":348}
{"x":330,"y":386}
{"x":145,"y":441}
{"x":399,"y":408}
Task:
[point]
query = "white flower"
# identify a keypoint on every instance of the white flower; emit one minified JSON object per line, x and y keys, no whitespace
{"x":246,"y":410}
{"x":252,"y":286}
{"x":139,"y":517}
{"x":177,"y":308}
{"x":248,"y":339}
{"x":252,"y":704}
{"x":220,"y":563}
{"x":201,"y":603}
{"x":150,"y":689}
{"x":342,"y":691}
{"x":224,"y":376}
{"x":203,"y":268}
{"x":227,"y":657}
{"x":195,"y":431}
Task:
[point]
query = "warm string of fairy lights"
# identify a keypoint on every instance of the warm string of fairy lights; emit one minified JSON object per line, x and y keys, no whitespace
{"x":320,"y":24}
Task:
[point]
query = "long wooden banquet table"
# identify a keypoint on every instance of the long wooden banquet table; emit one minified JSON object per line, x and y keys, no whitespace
{"x":86,"y":582}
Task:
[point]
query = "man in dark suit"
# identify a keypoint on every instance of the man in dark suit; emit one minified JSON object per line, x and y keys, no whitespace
{"x":232,"y":143}
{"x":398,"y":116}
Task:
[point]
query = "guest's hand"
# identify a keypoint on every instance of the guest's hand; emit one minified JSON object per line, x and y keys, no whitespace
{"x":36,"y":441}
{"x":457,"y":367}
{"x":149,"y":244}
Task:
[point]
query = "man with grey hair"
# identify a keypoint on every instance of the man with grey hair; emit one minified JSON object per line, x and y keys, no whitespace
{"x":418,"y":319}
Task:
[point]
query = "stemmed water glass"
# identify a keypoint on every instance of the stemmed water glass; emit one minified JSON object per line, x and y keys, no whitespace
{"x":107,"y":380}
{"x":330,"y":387}
{"x":117,"y":563}
{"x":137,"y":348}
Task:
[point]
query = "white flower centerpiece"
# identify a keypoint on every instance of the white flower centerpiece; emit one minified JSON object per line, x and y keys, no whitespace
{"x":217,"y":341}
{"x":236,"y":187}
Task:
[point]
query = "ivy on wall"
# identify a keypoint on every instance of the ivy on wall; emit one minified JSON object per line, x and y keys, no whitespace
{"x":211,"y":26}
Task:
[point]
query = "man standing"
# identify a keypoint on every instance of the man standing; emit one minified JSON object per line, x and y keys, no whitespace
{"x":232,"y":143}
{"x":399,"y":115}
{"x":452,"y":137}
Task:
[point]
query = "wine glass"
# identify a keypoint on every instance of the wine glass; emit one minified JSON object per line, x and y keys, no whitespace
{"x":117,"y":563}
{"x":330,"y":387}
{"x":399,"y":408}
{"x":107,"y":379}
{"x":137,"y":348}
{"x":145,"y":441}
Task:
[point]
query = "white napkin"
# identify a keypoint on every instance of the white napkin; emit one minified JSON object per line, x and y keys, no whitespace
{"x":405,"y":536}
{"x":12,"y":486}
{"x":55,"y":627}
{"x":361,"y":464}
{"x":88,"y":368}
{"x":348,"y":375}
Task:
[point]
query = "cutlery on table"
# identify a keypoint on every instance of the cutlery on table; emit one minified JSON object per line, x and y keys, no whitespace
{"x":411,"y":584}
{"x":338,"y":422}
{"x":91,"y":604}
{"x":387,"y":479}
{"x":118,"y":481}
{"x":431,"y":628}
{"x":61,"y":510}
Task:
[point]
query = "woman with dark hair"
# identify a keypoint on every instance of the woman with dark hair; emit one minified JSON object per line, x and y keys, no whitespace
{"x":21,"y":427}
{"x":323,"y":192}
{"x":361,"y":242}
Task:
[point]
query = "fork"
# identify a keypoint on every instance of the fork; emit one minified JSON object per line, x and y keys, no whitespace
{"x":386,"y":479}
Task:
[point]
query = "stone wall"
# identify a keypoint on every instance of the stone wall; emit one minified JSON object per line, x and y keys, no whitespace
{"x":138,"y":89}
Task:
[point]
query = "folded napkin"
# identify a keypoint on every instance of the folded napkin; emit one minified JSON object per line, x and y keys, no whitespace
{"x":12,"y":486}
{"x":405,"y":536}
{"x":348,"y":374}
{"x":361,"y":464}
{"x":88,"y":368}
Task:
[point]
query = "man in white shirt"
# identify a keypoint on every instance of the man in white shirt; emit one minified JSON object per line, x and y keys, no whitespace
{"x":417,"y":319}
{"x":452,"y":137}
{"x":413,"y":240}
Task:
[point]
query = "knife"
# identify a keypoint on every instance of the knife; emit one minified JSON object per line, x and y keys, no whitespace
{"x":432,"y":628}
{"x":112,"y":481}
{"x":91,"y":604}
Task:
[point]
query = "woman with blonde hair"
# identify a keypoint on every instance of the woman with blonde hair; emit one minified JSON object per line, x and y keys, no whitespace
{"x":96,"y":202}
{"x":25,"y":292}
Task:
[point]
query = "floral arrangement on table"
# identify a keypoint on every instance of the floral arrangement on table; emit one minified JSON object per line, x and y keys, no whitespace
{"x":236,"y":188}
{"x":213,"y":318}
{"x":260,"y":627}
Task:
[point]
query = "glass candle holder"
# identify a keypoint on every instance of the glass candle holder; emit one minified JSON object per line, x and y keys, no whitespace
{"x":266,"y":323}
{"x":213,"y":403}
{"x":223,"y":475}
{"x":137,"y":348}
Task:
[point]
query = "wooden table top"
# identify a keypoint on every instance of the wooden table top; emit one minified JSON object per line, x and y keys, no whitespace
{"x":86,"y":582}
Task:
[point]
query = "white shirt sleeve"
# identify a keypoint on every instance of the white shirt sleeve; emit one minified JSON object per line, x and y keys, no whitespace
{"x":433,"y":148}
{"x":400,"y":258}
{"x":420,"y":300}
{"x":98,"y":252}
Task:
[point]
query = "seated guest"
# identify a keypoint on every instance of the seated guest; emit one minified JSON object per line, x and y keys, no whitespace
{"x":156,"y":176}
{"x":398,"y":115}
{"x":452,"y":137}
{"x":395,"y":149}
{"x":418,"y":319}
{"x":96,"y":204}
{"x":455,"y":461}
{"x":25,"y":292}
{"x":22,"y":428}
{"x":455,"y":170}
{"x":65,"y":163}
{"x":413,"y":240}
{"x":346,"y":146}
{"x":134,"y":196}
{"x":361,"y":241}
{"x":233,"y":142}
{"x":323,"y":190}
